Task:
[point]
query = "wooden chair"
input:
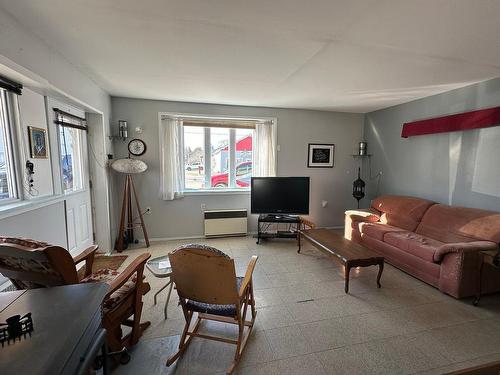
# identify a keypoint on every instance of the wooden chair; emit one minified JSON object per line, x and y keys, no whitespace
{"x":32,"y":264}
{"x":206,"y":282}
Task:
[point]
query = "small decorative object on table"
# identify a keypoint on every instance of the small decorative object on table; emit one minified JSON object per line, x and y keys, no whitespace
{"x":320,"y":155}
{"x":15,"y":327}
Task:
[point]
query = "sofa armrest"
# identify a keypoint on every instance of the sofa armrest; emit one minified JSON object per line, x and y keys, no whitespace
{"x":366,"y":214}
{"x":463,"y":247}
{"x":354,"y":217}
{"x":460,"y":267}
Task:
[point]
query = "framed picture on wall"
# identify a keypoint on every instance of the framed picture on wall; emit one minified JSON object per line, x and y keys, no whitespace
{"x":320,"y":155}
{"x":38,"y":142}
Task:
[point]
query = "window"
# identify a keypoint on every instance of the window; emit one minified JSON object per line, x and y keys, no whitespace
{"x":217,"y":155}
{"x":71,"y":137}
{"x":8,"y":189}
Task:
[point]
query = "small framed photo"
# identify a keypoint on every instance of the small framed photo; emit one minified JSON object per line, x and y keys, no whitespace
{"x":320,"y":155}
{"x":38,"y":142}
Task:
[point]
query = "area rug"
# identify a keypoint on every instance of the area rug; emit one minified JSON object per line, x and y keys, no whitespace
{"x":104,"y":261}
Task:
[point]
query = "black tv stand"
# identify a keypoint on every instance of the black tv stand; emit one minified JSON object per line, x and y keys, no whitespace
{"x":292,"y":232}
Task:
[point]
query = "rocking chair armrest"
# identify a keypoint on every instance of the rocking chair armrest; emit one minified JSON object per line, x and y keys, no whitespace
{"x":248,"y":276}
{"x":89,"y":252}
{"x":86,"y":255}
{"x":136,"y":266}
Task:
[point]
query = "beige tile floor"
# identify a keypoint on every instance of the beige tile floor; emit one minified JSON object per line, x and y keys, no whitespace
{"x":306,"y":324}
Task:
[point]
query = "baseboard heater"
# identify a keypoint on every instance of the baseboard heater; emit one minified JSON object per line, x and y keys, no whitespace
{"x":221,"y":223}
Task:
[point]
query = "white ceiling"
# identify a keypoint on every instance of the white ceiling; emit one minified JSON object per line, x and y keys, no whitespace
{"x":342,"y":55}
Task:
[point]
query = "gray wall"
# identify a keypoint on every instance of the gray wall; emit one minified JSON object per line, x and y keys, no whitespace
{"x":459,"y":168}
{"x":296,"y":128}
{"x":49,"y":72}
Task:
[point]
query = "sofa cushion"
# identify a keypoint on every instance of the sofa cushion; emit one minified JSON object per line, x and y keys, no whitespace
{"x":459,"y":224}
{"x":402,"y":212}
{"x":377,"y":230}
{"x":415,"y":244}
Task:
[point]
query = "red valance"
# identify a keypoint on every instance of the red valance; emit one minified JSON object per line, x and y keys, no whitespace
{"x":483,"y":118}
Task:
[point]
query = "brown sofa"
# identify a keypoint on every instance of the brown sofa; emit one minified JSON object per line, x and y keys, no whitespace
{"x":436,"y":243}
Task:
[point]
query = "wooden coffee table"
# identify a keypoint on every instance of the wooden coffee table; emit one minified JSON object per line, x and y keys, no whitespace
{"x":348,"y":253}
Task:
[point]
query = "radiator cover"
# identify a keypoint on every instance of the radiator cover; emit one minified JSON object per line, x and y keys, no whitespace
{"x":220,"y":223}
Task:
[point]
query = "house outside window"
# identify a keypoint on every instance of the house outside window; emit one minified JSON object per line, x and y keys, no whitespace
{"x":217,"y":157}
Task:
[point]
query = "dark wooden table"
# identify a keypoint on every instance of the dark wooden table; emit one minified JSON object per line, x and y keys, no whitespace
{"x":487,"y":257}
{"x":67,"y":326}
{"x":347,"y":253}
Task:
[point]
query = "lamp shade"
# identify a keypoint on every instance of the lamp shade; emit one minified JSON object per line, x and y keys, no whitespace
{"x":129,"y":166}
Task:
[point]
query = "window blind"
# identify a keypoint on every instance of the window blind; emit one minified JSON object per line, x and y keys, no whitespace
{"x":10,"y":85}
{"x":69,"y":120}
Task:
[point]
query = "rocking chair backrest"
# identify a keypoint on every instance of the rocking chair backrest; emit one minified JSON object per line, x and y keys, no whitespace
{"x":31,"y":264}
{"x":204,"y":274}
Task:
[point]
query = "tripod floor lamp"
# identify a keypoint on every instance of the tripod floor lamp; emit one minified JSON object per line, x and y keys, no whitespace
{"x":128,"y":222}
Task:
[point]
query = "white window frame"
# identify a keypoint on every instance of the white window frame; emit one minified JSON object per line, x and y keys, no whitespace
{"x":181,"y":116}
{"x":10,"y":150}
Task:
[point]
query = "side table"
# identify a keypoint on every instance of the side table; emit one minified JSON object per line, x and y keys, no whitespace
{"x":160,"y":268}
{"x":492,"y":258}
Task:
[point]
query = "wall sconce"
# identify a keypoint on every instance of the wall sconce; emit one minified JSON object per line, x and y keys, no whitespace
{"x":122,"y":131}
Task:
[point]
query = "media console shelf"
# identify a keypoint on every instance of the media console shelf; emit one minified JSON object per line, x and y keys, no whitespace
{"x":293,"y":228}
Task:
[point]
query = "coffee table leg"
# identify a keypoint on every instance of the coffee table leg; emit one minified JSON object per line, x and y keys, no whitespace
{"x":347,"y":270}
{"x":161,"y":289}
{"x":298,"y":241}
{"x":380,"y":270}
{"x":168,"y":298}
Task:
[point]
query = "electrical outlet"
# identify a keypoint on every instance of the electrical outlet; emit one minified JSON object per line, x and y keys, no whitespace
{"x":203,"y":206}
{"x":148,"y":210}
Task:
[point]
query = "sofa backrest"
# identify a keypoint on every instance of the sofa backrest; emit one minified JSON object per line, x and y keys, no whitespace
{"x":400,"y":211}
{"x":460,"y":224}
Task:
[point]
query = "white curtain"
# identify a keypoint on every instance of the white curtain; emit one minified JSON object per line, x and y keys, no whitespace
{"x":264,"y":155}
{"x":171,"y":164}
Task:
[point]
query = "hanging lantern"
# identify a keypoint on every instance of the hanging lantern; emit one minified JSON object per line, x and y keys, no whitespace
{"x":358,"y":188}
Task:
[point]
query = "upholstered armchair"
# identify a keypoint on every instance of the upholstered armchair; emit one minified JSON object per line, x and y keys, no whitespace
{"x":33,"y":264}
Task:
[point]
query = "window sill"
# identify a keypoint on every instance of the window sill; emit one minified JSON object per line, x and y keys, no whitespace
{"x":22,"y":206}
{"x":217,"y":192}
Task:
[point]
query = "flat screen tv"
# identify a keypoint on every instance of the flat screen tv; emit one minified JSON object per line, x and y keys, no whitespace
{"x":280,"y":195}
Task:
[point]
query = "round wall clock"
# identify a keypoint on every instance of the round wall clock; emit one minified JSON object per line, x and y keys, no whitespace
{"x":137,"y":147}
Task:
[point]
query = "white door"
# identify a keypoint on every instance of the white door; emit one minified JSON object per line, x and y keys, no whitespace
{"x":78,"y":207}
{"x":72,"y":178}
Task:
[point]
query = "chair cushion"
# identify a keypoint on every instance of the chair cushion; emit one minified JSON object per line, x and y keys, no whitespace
{"x":413,"y":243}
{"x":106,"y":275}
{"x":377,"y":230}
{"x":214,"y":309}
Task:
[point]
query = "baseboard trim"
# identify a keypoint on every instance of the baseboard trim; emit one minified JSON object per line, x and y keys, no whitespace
{"x":202,"y":236}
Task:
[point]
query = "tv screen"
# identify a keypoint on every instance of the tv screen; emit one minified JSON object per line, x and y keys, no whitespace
{"x":280,"y":195}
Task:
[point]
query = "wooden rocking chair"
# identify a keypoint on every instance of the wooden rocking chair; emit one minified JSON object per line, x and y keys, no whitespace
{"x":207,"y":284}
{"x":32,"y":264}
